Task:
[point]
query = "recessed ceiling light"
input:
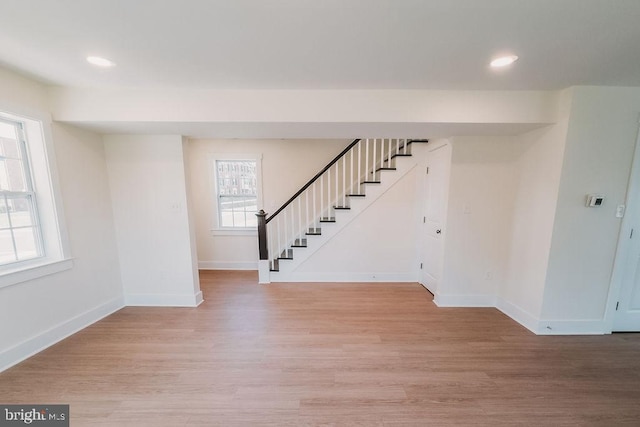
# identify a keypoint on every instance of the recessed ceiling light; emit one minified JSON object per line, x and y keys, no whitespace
{"x":503,"y":61}
{"x":100,"y":62}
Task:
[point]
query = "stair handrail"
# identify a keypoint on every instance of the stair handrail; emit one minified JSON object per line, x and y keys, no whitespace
{"x":312,"y":180}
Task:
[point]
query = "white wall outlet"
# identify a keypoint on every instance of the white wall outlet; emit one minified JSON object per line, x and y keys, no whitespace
{"x":620,"y":211}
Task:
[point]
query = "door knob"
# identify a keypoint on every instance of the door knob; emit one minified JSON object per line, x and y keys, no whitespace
{"x":438,"y":231}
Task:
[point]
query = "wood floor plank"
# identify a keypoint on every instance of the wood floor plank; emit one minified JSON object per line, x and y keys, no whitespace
{"x":328,"y":354}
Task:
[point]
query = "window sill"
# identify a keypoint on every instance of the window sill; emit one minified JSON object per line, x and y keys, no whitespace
{"x":34,"y":271}
{"x":234,"y":232}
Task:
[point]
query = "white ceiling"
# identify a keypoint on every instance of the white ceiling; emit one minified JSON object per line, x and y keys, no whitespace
{"x":321,"y":44}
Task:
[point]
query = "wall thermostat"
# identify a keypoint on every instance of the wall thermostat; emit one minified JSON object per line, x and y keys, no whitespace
{"x":594,"y":200}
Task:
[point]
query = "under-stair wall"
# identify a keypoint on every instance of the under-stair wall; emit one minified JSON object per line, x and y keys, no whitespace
{"x":362,"y":203}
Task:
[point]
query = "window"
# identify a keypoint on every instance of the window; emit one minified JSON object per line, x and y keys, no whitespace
{"x":237,"y":193}
{"x":20,"y":234}
{"x":33,"y":240}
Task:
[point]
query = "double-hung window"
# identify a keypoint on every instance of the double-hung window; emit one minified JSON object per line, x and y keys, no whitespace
{"x":20,"y":232}
{"x":237,"y":193}
{"x":33,"y":238}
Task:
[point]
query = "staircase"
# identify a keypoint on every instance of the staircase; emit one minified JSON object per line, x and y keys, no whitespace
{"x":343,"y":189}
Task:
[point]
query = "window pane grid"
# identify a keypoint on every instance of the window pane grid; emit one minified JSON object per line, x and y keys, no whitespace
{"x":16,"y":228}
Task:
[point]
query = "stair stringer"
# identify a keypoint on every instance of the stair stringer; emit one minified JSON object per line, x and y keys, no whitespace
{"x":343,"y":218}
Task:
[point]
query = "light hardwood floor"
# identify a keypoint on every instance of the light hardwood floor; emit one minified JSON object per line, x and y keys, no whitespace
{"x":368,"y":354}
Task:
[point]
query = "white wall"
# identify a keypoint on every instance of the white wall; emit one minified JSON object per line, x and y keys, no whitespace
{"x":190,"y":207}
{"x":538,"y":170}
{"x":38,"y":313}
{"x":559,"y":255}
{"x":599,"y":150}
{"x":148,"y":189}
{"x":286,"y":166}
{"x":19,"y":93}
{"x":480,"y":208}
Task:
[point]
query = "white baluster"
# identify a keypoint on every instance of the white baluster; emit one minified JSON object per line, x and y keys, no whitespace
{"x":366,"y":163}
{"x":308,"y":218}
{"x":329,"y":192}
{"x":344,"y":180}
{"x":299,"y":215}
{"x":337,"y":191}
{"x":321,"y":195}
{"x":315,"y":212}
{"x":373,"y":170}
{"x":389,"y":155}
{"x":286,"y":239}
{"x":359,"y":164}
{"x":270,"y":243}
{"x":279,"y":239}
{"x":351,"y":184}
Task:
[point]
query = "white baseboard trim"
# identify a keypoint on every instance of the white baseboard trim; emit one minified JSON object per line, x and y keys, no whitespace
{"x":36,"y":344}
{"x":163,"y":300}
{"x":464,"y":300}
{"x":264,"y":274}
{"x":343,"y":277}
{"x":571,"y":327}
{"x":428,"y":288}
{"x":227,"y":265}
{"x":519,"y":315}
{"x":199,"y":298}
{"x":532,"y":323}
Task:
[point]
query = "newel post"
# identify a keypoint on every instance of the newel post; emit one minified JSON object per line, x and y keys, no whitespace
{"x":263,"y":251}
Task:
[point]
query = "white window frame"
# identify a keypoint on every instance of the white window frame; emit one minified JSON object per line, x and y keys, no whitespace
{"x":217,"y":229}
{"x":28,"y":193}
{"x":55,"y":242}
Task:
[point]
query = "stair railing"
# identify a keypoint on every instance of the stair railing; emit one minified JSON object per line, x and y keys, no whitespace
{"x":329,"y":190}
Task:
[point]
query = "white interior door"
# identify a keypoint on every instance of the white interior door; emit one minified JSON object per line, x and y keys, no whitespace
{"x":627,"y":315}
{"x":626,"y":311}
{"x":435,"y":210}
